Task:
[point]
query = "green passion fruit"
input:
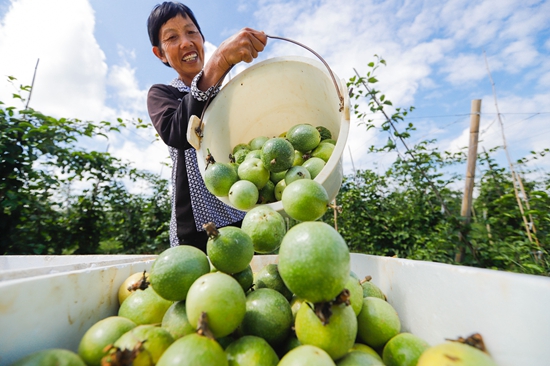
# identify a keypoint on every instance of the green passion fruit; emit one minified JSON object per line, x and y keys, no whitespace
{"x":314,"y":165}
{"x":298,"y":158}
{"x":314,"y":261}
{"x":175,"y":269}
{"x":241,"y":146}
{"x":176,"y":322}
{"x":305,"y":200}
{"x":134,"y":282}
{"x":243,"y":194}
{"x":221,"y":298}
{"x":370,"y":289}
{"x":404,"y":349}
{"x":276,"y":177}
{"x":269,"y":277}
{"x":253,"y":154}
{"x":268,"y":316}
{"x":150,"y":340}
{"x":257,"y":142}
{"x":253,"y":170}
{"x":267,"y":193}
{"x":277,"y":154}
{"x":306,"y":355}
{"x":295,"y":304}
{"x":341,"y":325}
{"x":101,"y":334}
{"x":266,"y":227}
{"x":356,"y":294}
{"x":290,"y":343}
{"x":323,"y":151}
{"x":295,"y":173}
{"x":378,"y":322}
{"x":354,"y":358}
{"x":251,"y":350}
{"x":51,"y":356}
{"x":279,"y":189}
{"x":144,"y":307}
{"x":364,"y":348}
{"x":229,"y":248}
{"x":245,"y":278}
{"x":240,"y":155}
{"x":194,"y":350}
{"x":304,"y":137}
{"x":219,"y":177}
{"x":455,"y":354}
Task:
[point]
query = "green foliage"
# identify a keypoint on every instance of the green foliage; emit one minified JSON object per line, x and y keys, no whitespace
{"x":40,"y":210}
{"x":412,"y":210}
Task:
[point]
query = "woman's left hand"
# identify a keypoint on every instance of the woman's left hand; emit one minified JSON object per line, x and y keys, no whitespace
{"x":242,"y":46}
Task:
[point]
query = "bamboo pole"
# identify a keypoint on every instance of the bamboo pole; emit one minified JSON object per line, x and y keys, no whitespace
{"x":528,"y":206}
{"x":466,"y":209}
{"x":472,"y":158}
{"x":512,"y":171}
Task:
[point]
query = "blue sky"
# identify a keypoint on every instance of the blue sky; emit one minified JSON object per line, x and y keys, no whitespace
{"x":96,"y":62}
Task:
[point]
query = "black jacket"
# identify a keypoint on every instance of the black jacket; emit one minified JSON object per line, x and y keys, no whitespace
{"x":170,"y":110}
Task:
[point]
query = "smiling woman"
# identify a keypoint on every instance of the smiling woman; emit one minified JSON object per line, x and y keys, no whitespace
{"x":178,"y":42}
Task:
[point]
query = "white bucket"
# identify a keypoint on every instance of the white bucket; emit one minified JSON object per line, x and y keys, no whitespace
{"x":270,"y":97}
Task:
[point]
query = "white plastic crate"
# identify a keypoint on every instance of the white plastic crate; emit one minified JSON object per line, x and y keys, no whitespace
{"x":434,"y":301}
{"x":50,"y":307}
{"x":21,"y":266}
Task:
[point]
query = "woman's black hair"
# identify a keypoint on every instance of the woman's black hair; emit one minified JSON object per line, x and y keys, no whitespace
{"x":162,"y":13}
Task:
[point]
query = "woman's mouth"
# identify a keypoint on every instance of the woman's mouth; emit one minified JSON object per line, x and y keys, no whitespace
{"x":190,"y":57}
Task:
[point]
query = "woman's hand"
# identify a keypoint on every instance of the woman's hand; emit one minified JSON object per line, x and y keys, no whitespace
{"x":243,"y":46}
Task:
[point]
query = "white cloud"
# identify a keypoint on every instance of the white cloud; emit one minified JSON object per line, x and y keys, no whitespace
{"x":432,"y":47}
{"x":427,"y":44}
{"x":70,"y":79}
{"x":122,"y":79}
{"x":463,"y":68}
{"x":519,"y":55}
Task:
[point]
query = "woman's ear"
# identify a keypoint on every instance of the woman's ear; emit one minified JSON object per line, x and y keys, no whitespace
{"x":158,"y":52}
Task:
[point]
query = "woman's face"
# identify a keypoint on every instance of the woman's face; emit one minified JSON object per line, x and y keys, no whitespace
{"x":181,"y":46}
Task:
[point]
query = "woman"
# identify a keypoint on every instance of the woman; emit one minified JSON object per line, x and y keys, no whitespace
{"x":178,"y":42}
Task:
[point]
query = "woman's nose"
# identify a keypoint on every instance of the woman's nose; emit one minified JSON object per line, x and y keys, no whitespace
{"x":186,"y":42}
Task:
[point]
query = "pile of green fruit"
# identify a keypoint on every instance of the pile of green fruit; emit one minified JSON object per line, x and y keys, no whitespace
{"x":308,"y":308}
{"x":259,"y":172}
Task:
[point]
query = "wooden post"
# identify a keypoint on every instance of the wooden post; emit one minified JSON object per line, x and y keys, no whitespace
{"x":471,"y":168}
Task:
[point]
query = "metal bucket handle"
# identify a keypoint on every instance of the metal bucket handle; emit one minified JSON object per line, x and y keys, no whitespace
{"x":196,"y":124}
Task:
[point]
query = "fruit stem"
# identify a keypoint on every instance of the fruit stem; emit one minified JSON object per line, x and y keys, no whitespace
{"x":366,"y":279}
{"x":343,"y":298}
{"x":121,"y":357}
{"x":323,"y":311}
{"x":142,"y":284}
{"x":202,"y":328}
{"x":211,"y":230}
{"x":209,"y":159}
{"x":475,"y":340}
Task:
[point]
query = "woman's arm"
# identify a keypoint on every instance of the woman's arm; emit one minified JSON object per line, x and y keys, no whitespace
{"x":170,"y":114}
{"x":243,"y":46}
